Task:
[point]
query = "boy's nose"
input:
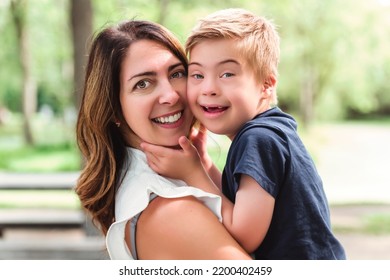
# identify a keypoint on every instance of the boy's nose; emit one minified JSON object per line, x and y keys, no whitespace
{"x":209,"y":87}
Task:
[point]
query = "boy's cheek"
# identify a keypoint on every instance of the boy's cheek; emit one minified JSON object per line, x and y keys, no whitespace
{"x":191,"y":93}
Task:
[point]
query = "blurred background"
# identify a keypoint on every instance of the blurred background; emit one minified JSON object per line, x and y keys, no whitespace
{"x":333,"y":78}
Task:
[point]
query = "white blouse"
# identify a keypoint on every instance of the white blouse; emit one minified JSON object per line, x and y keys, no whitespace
{"x":133,"y":195}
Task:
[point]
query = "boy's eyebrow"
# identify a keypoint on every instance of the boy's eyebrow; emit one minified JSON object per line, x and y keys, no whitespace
{"x":152,"y":73}
{"x":219,"y":63}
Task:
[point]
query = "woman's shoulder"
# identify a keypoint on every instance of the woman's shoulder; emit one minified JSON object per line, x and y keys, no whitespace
{"x":183,"y":228}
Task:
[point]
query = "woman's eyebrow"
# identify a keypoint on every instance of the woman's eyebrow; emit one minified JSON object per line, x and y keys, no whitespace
{"x":153,"y":73}
{"x":147,"y":73}
{"x":170,"y":68}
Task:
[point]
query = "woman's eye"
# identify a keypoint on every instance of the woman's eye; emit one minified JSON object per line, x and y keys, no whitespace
{"x":178,"y":74}
{"x":142,"y":84}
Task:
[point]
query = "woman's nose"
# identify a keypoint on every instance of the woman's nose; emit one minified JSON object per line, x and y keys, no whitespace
{"x":169,"y":95}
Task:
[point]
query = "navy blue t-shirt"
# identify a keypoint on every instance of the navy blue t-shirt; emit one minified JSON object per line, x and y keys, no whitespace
{"x":269,"y":150}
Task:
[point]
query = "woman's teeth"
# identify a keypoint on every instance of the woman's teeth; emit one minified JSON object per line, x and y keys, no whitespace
{"x":169,"y":119}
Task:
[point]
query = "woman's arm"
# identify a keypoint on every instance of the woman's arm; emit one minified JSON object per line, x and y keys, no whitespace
{"x":184,"y":228}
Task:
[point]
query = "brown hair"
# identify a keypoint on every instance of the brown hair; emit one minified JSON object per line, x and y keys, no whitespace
{"x":99,"y":139}
{"x":256,"y":38}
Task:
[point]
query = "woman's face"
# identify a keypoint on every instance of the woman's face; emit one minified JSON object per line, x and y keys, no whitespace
{"x":153,"y":95}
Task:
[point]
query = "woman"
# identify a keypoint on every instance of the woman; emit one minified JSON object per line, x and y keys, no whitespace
{"x":135,"y":88}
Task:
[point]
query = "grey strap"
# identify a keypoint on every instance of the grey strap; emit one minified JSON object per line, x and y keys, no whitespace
{"x":133,"y":229}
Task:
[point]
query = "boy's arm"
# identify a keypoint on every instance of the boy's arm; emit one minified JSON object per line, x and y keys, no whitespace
{"x":247,"y":220}
{"x":252,"y":214}
{"x":198,"y":138}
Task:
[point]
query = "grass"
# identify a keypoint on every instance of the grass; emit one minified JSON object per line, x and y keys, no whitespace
{"x":373,"y":224}
{"x":377,"y":224}
{"x":42,"y":158}
{"x":55,"y":149}
{"x":38,"y":199}
{"x":375,"y":220}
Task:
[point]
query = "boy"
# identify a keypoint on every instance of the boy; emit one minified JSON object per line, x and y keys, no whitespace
{"x":276,"y":206}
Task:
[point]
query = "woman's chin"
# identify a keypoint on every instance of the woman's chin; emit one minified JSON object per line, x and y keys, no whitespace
{"x":170,"y":145}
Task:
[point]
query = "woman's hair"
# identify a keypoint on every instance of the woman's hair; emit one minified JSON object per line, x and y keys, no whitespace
{"x":99,"y":139}
{"x":255,"y":37}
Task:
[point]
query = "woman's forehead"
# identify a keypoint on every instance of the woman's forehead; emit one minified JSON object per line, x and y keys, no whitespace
{"x":147,"y":56}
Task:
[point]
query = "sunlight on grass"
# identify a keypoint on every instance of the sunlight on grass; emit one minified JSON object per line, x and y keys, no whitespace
{"x":52,"y":161}
{"x":55,"y":149}
{"x":59,"y":199}
{"x":373,"y":224}
{"x":377,"y":224}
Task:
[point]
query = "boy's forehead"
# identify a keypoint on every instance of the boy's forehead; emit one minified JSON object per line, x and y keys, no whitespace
{"x":215,"y":50}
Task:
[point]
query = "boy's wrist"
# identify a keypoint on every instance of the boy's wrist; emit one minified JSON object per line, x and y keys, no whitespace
{"x":196,"y":175}
{"x":207,"y":163}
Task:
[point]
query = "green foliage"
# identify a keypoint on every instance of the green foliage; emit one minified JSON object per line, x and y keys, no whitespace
{"x":342,"y":46}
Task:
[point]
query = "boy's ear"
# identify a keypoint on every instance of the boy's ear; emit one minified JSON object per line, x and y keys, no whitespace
{"x":269,"y":84}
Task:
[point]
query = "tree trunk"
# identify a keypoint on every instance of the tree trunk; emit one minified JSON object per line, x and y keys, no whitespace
{"x":29,"y":89}
{"x":81,"y":21}
{"x":307,"y":97}
{"x":163,"y":9}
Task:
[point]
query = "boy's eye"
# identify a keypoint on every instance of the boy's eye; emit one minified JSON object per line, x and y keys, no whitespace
{"x":197,"y":76}
{"x":142,"y":84}
{"x":227,"y":75}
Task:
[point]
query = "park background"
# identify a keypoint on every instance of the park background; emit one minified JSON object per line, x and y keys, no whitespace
{"x":333,"y":78}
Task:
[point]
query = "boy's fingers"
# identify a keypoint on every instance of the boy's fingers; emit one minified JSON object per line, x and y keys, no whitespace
{"x":153,"y":149}
{"x":185,"y":143}
{"x":150,"y":157}
{"x":202,"y":129}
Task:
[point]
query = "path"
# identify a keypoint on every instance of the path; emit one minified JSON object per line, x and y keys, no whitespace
{"x":353,"y":161}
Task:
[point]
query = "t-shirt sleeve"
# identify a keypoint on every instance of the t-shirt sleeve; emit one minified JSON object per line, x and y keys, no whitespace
{"x":261,"y":155}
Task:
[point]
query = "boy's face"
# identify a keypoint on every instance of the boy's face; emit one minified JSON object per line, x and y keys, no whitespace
{"x":222,"y":89}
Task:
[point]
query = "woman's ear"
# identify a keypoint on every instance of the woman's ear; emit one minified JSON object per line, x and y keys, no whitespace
{"x":117,"y":122}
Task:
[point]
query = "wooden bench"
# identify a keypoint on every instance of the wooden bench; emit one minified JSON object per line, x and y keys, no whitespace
{"x":42,"y":218}
{"x":47,"y":219}
{"x":92,"y":248}
{"x":58,"y":181}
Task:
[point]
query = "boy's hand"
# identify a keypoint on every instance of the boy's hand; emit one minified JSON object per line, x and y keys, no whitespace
{"x":198,"y":138}
{"x":173,"y":163}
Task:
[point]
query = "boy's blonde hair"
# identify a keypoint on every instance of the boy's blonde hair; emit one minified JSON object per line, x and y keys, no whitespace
{"x":256,"y":37}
